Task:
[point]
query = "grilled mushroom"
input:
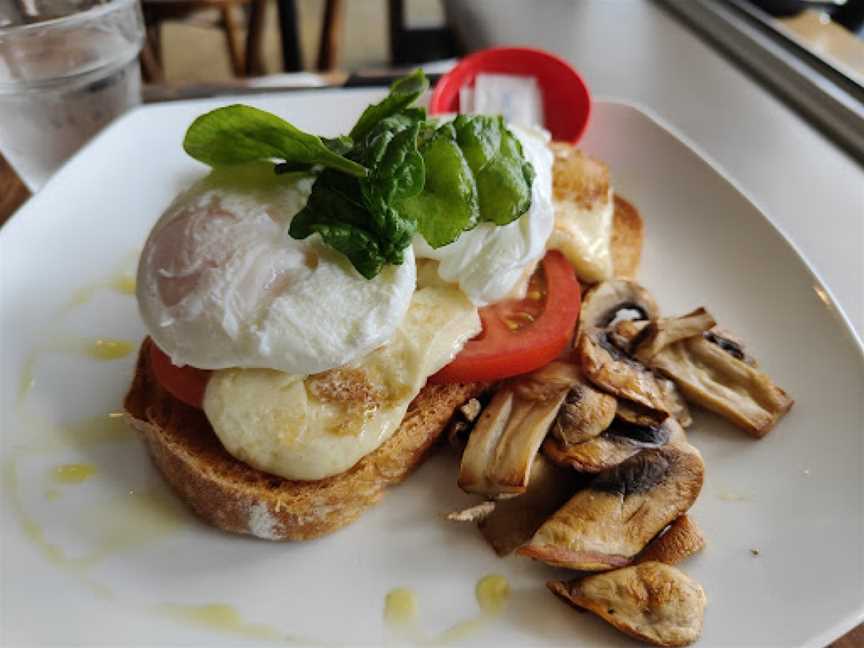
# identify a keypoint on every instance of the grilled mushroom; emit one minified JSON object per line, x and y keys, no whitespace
{"x":662,"y":332}
{"x":638,"y":415}
{"x":615,"y":372}
{"x":610,"y":522}
{"x":710,"y":376}
{"x":593,"y":456}
{"x":623,"y":335}
{"x":476,"y":513}
{"x":681,"y":540}
{"x":651,"y":601}
{"x":712,"y":370}
{"x":497,"y":460}
{"x":463,"y":420}
{"x":675,"y":403}
{"x":731,"y":344}
{"x":515,"y":520}
{"x":617,"y":444}
{"x":606,"y":300}
{"x":584,"y":414}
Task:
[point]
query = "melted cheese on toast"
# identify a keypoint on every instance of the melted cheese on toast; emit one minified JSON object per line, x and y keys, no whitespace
{"x":311,"y":427}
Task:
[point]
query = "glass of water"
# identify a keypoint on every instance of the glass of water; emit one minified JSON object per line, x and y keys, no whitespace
{"x":67,"y":68}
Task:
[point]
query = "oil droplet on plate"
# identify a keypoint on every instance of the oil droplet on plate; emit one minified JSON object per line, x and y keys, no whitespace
{"x":108,"y":349}
{"x":42,"y":435}
{"x":734,"y":496}
{"x":94,"y":430}
{"x":218,"y":617}
{"x":27,"y":380}
{"x":36,"y":536}
{"x":400,"y":607}
{"x":73,"y":473}
{"x":123,"y":283}
{"x":132,"y":519}
{"x":492,"y":593}
{"x":461,"y":631}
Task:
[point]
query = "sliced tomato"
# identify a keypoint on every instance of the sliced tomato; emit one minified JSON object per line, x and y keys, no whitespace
{"x":520,"y":335}
{"x":186,"y":384}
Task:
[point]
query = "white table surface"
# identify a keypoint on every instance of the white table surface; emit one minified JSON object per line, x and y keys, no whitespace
{"x":635,"y":51}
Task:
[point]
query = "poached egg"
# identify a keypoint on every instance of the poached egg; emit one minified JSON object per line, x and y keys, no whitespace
{"x":490,"y":262}
{"x":222,"y":284}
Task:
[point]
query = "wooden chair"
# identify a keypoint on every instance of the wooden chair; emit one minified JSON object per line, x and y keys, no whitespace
{"x":246,"y":59}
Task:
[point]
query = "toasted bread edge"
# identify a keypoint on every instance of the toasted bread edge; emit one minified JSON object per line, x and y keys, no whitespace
{"x":238,"y":498}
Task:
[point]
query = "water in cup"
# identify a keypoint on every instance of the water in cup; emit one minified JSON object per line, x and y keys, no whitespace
{"x":63,"y":78}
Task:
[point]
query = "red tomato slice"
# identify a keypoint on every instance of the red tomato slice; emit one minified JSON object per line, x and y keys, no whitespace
{"x":520,"y":335}
{"x":186,"y":384}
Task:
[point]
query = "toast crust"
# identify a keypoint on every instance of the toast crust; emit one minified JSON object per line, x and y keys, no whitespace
{"x":238,"y":498}
{"x":628,"y":231}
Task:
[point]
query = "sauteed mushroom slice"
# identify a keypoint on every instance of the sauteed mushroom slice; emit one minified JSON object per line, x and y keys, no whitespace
{"x":475,"y":513}
{"x":610,"y":522}
{"x":623,"y":334}
{"x":639,"y":415}
{"x":675,"y":403}
{"x":463,"y":420}
{"x":679,"y":541}
{"x":651,"y":601}
{"x":711,"y":377}
{"x":662,"y":332}
{"x":508,"y":433}
{"x":515,"y":520}
{"x":606,"y":300}
{"x":615,"y":372}
{"x":584,"y":414}
{"x":731,"y":344}
{"x":617,"y":444}
{"x":708,"y":371}
{"x":593,"y":456}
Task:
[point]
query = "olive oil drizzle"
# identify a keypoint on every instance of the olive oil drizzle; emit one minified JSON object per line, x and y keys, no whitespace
{"x":491,"y":592}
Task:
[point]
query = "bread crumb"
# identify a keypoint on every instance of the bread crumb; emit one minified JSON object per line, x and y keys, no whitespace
{"x":755,"y":552}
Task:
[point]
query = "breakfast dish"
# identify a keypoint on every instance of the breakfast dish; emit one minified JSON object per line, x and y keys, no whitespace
{"x":321,"y":311}
{"x":764,"y":503}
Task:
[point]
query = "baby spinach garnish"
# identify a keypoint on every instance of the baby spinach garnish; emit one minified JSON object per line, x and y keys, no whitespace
{"x":396,"y":174}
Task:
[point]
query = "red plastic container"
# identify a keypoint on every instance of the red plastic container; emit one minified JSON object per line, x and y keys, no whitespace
{"x":566,"y":101}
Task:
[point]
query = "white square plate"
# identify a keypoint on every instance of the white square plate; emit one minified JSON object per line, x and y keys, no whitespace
{"x":113,"y":560}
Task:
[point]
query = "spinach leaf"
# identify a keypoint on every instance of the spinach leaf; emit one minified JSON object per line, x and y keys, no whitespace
{"x":448,"y":205}
{"x":396,"y":174}
{"x":335,"y":210}
{"x":502,"y":173}
{"x":359,"y":216}
{"x":403,"y":93}
{"x":238,"y":134}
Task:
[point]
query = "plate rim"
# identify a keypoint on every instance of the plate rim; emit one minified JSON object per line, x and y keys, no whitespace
{"x":718,"y":168}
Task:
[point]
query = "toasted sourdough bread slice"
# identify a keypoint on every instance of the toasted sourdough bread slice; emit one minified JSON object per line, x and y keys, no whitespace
{"x":580,"y":179}
{"x":627,"y":234}
{"x":235,"y":497}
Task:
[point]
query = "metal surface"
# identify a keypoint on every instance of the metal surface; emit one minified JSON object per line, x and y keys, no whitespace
{"x":824,"y":94}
